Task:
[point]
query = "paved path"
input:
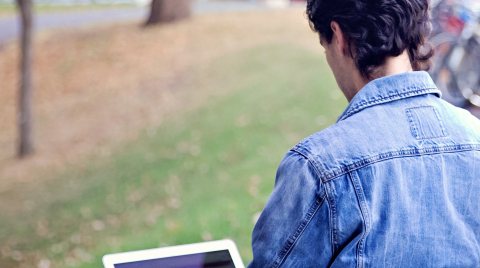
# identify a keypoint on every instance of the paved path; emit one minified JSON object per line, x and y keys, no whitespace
{"x":10,"y":27}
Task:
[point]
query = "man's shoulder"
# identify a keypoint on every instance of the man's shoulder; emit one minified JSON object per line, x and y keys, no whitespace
{"x":334,"y":146}
{"x":324,"y":141}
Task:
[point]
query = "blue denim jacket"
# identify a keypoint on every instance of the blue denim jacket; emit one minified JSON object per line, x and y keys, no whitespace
{"x":394,"y":183}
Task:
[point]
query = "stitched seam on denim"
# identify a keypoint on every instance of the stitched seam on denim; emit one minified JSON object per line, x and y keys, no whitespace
{"x":333,"y":218}
{"x":444,"y":131}
{"x":416,"y":135}
{"x":396,"y":154}
{"x":413,"y":127}
{"x":301,"y":228}
{"x":392,"y":97}
{"x":309,"y":161}
{"x":365,"y":215}
{"x":362,"y":105}
{"x":314,"y":167}
{"x":305,"y":152}
{"x":332,"y":230}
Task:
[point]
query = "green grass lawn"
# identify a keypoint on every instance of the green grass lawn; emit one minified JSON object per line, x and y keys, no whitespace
{"x":203,"y":174}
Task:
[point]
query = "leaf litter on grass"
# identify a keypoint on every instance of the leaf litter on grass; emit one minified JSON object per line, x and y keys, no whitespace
{"x":95,"y":87}
{"x":193,"y":175}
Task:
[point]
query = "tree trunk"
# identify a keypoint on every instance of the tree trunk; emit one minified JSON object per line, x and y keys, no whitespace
{"x":25,"y":101}
{"x":163,"y":11}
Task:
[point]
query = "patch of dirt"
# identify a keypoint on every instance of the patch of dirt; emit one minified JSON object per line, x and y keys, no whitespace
{"x":98,"y":86}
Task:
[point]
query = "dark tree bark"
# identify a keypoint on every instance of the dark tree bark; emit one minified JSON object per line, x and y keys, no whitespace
{"x":25,"y":101}
{"x":163,"y":11}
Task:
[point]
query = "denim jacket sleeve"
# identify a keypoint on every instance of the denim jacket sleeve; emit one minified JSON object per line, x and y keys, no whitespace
{"x":294,"y":227}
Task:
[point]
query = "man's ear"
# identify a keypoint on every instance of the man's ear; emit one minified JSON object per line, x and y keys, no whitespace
{"x":339,"y":38}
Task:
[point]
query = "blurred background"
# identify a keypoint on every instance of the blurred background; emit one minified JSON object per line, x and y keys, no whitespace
{"x":129,"y":124}
{"x":456,"y":64}
{"x":148,"y":136}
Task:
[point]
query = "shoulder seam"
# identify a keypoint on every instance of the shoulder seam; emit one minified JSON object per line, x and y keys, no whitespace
{"x":309,"y":161}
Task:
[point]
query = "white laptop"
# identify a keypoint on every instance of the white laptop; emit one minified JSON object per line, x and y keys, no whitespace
{"x":215,"y":254}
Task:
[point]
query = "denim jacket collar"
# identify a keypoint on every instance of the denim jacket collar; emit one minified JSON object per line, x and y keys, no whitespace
{"x":391,"y":88}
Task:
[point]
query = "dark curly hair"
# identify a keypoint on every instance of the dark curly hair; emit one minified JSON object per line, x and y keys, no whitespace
{"x":376,"y":29}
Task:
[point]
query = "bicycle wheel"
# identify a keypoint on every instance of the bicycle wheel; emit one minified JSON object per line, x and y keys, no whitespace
{"x":446,"y":50}
{"x":467,"y":75}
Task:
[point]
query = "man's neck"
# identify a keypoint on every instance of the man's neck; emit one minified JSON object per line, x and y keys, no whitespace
{"x":392,"y":66}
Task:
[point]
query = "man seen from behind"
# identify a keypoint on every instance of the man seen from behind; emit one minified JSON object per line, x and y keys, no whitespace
{"x":396,"y":181}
